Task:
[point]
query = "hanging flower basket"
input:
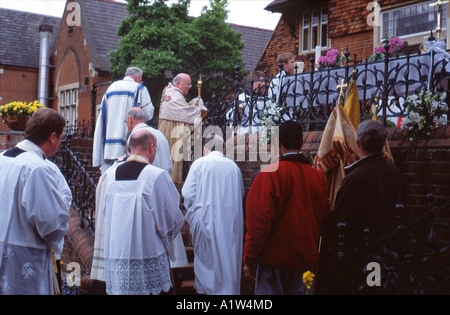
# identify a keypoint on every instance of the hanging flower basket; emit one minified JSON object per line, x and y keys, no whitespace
{"x":16,"y":114}
{"x":15,"y":122}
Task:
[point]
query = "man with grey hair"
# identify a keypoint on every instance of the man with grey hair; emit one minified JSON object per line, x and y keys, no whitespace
{"x":111,"y":134}
{"x":367,"y":198}
{"x":135,"y":121}
{"x":177,"y":118}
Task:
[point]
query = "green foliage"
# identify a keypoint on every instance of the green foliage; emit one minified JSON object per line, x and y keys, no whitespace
{"x":163,"y":39}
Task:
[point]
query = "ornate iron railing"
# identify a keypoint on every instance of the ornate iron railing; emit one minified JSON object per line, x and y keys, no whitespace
{"x":413,"y":259}
{"x":81,"y":129}
{"x":82,"y":183}
{"x":310,"y":97}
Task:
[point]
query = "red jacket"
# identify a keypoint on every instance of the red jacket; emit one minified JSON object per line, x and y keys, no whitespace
{"x":285,"y":207}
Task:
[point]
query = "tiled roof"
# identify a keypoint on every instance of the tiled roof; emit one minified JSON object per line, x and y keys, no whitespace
{"x":277,"y":5}
{"x":100,"y":20}
{"x":19,"y":37}
{"x":255,"y":40}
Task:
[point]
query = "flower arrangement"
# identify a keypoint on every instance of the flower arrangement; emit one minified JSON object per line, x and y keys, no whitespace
{"x":20,"y":109}
{"x":333,"y":59}
{"x":395,"y":44}
{"x":425,"y":112}
{"x":270,"y":117}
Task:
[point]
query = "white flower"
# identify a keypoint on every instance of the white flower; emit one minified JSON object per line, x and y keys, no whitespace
{"x":413,"y":98}
{"x":415,"y":117}
{"x":434,"y":105}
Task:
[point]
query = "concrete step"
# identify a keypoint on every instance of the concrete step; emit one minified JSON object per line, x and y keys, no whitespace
{"x":187,"y":288}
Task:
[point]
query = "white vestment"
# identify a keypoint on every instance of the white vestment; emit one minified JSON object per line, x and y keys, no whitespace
{"x":213,"y":195}
{"x":34,"y":211}
{"x":163,"y":158}
{"x":111,"y":133}
{"x":142,"y":218}
{"x":276,"y":85}
{"x":175,"y":108}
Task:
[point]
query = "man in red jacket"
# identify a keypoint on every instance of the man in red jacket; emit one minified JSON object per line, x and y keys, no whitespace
{"x":285,"y":207}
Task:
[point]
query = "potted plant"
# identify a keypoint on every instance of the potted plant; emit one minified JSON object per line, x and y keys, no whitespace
{"x":395,"y":45}
{"x":16,"y":114}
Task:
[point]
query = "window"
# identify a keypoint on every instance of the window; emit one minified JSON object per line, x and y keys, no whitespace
{"x":411,"y":20}
{"x":314,"y":30}
{"x":68,"y":105}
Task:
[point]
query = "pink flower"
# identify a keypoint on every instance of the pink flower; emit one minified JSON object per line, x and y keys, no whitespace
{"x":379,"y":50}
{"x":395,"y":44}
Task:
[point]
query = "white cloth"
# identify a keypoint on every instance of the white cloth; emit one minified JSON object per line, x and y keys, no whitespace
{"x":175,"y":108}
{"x":245,"y":101}
{"x":34,"y":211}
{"x":142,"y":218}
{"x":111,"y":133}
{"x":163,"y":159}
{"x":213,"y":195}
{"x":276,"y":85}
{"x":98,"y":260}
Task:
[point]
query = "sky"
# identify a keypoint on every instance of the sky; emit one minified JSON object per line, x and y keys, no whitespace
{"x":242,"y":12}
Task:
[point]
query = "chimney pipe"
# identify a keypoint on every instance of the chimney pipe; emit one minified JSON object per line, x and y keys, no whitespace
{"x":45,"y":31}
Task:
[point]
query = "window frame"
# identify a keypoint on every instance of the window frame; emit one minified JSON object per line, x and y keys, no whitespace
{"x":68,"y":102}
{"x":413,"y":36}
{"x":320,"y":25}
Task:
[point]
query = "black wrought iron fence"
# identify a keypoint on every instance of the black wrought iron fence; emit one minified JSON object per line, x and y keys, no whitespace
{"x":310,"y":97}
{"x":82,"y":183}
{"x":83,"y":129}
{"x":413,"y":259}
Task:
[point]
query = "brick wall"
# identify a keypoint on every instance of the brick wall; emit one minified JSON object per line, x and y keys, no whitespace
{"x":73,"y":65}
{"x":17,"y":84}
{"x":283,"y":40}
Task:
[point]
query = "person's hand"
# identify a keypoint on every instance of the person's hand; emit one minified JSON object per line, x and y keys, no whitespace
{"x":248,"y":273}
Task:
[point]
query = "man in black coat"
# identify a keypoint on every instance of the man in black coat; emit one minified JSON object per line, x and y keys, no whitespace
{"x":365,"y":208}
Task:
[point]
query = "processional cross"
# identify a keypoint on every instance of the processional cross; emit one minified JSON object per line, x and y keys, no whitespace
{"x":341,"y":88}
{"x":439,"y":15}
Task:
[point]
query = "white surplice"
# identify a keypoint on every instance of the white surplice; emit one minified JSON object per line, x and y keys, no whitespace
{"x":163,"y":160}
{"x":34,"y":211}
{"x":213,"y":195}
{"x":142,"y":218}
{"x":111,"y":133}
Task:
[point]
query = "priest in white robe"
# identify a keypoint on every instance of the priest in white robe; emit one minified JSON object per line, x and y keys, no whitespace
{"x":213,"y":196}
{"x":34,"y":211}
{"x":111,"y":134}
{"x":142,"y":217}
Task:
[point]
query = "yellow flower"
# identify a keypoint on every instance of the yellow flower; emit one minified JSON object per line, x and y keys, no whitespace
{"x":308,"y":279}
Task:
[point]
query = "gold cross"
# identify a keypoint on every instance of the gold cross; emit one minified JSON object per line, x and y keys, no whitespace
{"x":341,"y":87}
{"x":439,"y":13}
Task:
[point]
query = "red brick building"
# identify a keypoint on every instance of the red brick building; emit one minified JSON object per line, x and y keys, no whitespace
{"x":342,"y":24}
